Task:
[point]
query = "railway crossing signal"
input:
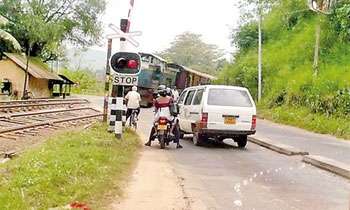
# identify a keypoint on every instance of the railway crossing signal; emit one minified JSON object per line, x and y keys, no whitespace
{"x":128,"y":36}
{"x":126,"y":63}
{"x":127,"y":66}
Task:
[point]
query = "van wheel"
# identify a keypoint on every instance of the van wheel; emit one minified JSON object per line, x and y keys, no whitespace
{"x":198,"y":139}
{"x":241,"y":141}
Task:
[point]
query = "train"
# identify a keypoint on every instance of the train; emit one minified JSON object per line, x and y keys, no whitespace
{"x":157,"y":71}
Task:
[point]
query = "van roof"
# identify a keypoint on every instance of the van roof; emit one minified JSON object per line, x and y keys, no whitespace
{"x":219,"y":86}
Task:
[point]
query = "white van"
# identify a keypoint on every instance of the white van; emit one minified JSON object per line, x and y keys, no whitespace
{"x":219,"y":112}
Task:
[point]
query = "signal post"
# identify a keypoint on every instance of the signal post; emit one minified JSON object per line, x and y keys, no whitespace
{"x":126,"y":66}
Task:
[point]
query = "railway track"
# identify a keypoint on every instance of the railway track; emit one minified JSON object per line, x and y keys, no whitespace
{"x":38,"y":104}
{"x":13,"y":126}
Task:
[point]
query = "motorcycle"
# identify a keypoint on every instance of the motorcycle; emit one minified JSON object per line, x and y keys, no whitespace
{"x":163,"y":129}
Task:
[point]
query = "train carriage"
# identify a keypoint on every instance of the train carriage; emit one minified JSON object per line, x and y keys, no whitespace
{"x":156,"y":71}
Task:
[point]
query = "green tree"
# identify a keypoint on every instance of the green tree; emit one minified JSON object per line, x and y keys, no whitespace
{"x":341,"y":21}
{"x":86,"y":81}
{"x":7,"y":37}
{"x":189,"y":50}
{"x":41,"y":26}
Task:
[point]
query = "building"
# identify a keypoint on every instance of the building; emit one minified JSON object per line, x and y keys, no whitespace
{"x":40,"y":82}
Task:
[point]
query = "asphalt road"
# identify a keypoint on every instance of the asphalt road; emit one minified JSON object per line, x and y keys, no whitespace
{"x":316,"y":144}
{"x":221,"y":176}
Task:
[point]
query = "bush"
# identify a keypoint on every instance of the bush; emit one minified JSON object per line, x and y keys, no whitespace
{"x":86,"y":80}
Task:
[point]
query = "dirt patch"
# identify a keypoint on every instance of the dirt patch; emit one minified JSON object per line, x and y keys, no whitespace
{"x":153,"y":185}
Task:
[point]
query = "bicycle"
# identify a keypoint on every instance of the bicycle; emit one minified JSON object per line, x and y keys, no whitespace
{"x":133,"y":119}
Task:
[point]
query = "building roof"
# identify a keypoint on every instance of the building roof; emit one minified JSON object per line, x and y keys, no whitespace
{"x":150,"y":54}
{"x":35,"y":68}
{"x":66,"y":80}
{"x":201,"y":74}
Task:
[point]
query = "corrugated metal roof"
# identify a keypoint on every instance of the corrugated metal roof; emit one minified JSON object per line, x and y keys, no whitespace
{"x":36,"y":70}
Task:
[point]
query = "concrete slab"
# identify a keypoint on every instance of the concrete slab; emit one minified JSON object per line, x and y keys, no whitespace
{"x":328,"y":164}
{"x":277,"y":147}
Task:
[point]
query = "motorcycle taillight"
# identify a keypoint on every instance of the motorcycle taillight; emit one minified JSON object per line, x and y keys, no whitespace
{"x":163,"y":121}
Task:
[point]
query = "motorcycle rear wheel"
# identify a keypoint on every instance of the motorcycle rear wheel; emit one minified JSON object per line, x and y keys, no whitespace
{"x":162,"y":141}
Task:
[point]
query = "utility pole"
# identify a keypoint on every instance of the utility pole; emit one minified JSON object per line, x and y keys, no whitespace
{"x":260,"y":52}
{"x":25,"y":91}
{"x":107,"y":79}
{"x":317,"y":47}
{"x":320,"y":7}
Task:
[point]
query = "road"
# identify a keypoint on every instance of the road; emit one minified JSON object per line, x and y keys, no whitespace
{"x":316,"y":144}
{"x":221,"y":176}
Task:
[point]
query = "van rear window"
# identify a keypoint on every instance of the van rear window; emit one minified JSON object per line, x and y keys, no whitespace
{"x":229,"y":97}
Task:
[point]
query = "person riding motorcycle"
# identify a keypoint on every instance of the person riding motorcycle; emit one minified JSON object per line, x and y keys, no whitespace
{"x":162,"y":106}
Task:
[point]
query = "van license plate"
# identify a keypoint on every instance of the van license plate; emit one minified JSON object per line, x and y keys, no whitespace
{"x":162,"y":127}
{"x":230,"y":120}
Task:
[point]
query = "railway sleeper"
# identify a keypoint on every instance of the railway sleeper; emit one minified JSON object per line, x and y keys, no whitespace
{"x":17,"y":134}
{"x":10,"y":154}
{"x":8,"y":137}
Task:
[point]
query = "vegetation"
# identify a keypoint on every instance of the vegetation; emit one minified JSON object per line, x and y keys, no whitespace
{"x":86,"y":82}
{"x":7,"y":38}
{"x":75,"y":166}
{"x":42,"y":26}
{"x":289,"y":84}
{"x":189,"y":50}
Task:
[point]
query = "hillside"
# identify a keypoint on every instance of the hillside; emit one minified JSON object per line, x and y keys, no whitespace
{"x":291,"y":92}
{"x":92,"y":59}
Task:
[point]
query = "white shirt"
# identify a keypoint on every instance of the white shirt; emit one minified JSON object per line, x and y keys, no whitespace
{"x":175,"y":95}
{"x":134,"y":99}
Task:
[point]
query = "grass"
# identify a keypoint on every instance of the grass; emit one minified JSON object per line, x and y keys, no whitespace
{"x":302,"y":117}
{"x":74,"y":166}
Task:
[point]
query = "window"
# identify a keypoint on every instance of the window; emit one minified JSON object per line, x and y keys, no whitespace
{"x":5,"y":87}
{"x":229,"y":97}
{"x":198,"y":99}
{"x":182,"y":97}
{"x":189,"y":97}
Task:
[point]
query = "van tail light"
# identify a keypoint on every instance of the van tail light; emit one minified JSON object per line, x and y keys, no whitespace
{"x":163,"y":121}
{"x":253,"y":122}
{"x":204,"y":120}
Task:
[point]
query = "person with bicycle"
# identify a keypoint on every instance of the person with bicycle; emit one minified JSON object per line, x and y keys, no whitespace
{"x":133,"y":99}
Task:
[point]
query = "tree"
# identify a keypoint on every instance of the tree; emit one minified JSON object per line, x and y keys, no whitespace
{"x":86,"y":81}
{"x":5,"y":36}
{"x":189,"y":50}
{"x":41,"y":26}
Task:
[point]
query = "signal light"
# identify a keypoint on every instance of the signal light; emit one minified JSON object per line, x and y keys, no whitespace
{"x":126,"y":63}
{"x":133,"y":64}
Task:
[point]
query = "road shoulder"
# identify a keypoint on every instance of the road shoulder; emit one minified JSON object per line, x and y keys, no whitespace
{"x":153,"y":184}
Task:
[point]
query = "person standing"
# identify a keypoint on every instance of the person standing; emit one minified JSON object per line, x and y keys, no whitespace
{"x":175,"y":93}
